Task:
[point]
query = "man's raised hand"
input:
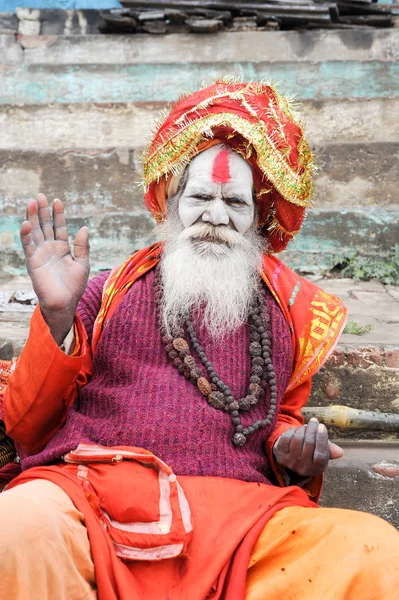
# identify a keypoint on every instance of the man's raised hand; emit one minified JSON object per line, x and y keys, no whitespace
{"x":58,"y":278}
{"x":306,"y":450}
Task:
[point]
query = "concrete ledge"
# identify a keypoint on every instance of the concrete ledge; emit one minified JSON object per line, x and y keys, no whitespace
{"x":127,"y":125}
{"x":356,"y":174}
{"x":366,"y":479}
{"x":63,"y":84}
{"x":228,"y":47}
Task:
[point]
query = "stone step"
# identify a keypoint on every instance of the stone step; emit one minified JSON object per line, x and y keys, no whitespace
{"x":317,"y":65}
{"x":366,"y":479}
{"x":357,"y":174}
{"x":99,"y":126}
{"x":87,"y":153}
{"x":223,"y":47}
{"x":66,"y":84}
{"x":89,"y":156}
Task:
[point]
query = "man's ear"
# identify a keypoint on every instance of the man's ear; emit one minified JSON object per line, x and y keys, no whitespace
{"x":177,"y":184}
{"x":183,"y":181}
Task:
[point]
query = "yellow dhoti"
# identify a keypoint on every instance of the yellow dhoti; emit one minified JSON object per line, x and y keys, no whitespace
{"x":302,"y":553}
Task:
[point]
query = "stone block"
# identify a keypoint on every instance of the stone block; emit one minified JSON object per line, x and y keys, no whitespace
{"x":329,"y":235}
{"x":356,"y":359}
{"x":331,"y":389}
{"x":227,"y":47}
{"x":204,"y":25}
{"x":154,"y":27}
{"x":107,"y":82}
{"x":29,"y":21}
{"x":387,"y":469}
{"x":374,"y":355}
{"x":337,"y":359}
{"x":392,"y":358}
{"x":332,"y":124}
{"x":7,"y":349}
{"x":359,"y":377}
{"x":151,"y":15}
{"x":8,"y":23}
{"x":25,"y":297}
{"x":356,"y":174}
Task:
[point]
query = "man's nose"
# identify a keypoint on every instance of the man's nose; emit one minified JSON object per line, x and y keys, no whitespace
{"x":216,"y":213}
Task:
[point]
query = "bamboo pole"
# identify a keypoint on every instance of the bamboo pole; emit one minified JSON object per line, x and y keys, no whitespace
{"x":346,"y":417}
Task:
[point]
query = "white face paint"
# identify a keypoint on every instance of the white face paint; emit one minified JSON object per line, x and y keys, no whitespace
{"x":218,"y":191}
{"x":212,"y":248}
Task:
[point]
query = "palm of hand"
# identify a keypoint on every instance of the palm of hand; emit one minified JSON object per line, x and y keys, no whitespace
{"x":58,"y":277}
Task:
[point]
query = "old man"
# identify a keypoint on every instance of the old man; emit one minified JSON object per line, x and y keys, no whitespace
{"x":157,"y":408}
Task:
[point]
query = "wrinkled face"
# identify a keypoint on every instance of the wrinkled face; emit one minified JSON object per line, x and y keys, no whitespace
{"x":219,"y":191}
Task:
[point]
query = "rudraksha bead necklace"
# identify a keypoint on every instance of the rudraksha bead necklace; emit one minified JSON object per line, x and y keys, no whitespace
{"x":217,"y":393}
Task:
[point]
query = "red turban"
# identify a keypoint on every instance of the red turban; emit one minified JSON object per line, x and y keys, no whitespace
{"x":257,"y":122}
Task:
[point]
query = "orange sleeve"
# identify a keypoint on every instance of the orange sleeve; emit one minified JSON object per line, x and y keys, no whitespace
{"x":290,"y":416}
{"x":44,"y":384}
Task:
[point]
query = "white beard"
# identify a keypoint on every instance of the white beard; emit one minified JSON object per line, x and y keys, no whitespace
{"x":214,"y":281}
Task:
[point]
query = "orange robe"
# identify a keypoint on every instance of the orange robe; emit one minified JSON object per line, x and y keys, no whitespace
{"x":40,"y":392}
{"x":35,"y":404}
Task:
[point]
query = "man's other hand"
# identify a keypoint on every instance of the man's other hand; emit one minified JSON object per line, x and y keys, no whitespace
{"x":306,"y":450}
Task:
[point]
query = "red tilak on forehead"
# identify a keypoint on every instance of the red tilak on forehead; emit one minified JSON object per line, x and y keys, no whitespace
{"x":221,"y":169}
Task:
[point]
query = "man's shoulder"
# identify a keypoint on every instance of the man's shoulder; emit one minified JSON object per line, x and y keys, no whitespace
{"x":289,"y":284}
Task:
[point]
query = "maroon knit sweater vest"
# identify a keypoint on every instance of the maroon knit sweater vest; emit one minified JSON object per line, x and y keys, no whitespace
{"x":136,"y":397}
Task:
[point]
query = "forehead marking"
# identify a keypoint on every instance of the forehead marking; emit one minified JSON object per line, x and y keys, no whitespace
{"x":221,"y":168}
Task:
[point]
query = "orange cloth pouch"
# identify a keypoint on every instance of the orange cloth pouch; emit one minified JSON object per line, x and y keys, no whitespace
{"x":137,"y":498}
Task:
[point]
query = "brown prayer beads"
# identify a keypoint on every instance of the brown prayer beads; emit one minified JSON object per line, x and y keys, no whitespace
{"x":216,"y":391}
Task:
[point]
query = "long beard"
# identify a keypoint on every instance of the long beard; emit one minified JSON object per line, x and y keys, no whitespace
{"x":210,"y":273}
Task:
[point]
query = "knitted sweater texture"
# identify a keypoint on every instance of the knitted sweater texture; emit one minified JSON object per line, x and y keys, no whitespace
{"x":136,"y":397}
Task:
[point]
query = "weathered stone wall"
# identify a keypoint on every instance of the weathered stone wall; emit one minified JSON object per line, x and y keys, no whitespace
{"x":75,"y":112}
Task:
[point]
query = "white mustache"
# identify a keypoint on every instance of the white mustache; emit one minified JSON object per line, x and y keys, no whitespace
{"x":205,"y":232}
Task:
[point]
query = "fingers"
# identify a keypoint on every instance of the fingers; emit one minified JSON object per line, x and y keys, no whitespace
{"x":297,"y":443}
{"x":59,"y":221}
{"x":335,"y":451}
{"x":321,"y":454}
{"x":284,"y":441}
{"x":81,"y":245}
{"x":45,"y":221}
{"x":26,"y":239}
{"x":306,"y":450}
{"x":310,"y":440}
{"x":33,"y":218}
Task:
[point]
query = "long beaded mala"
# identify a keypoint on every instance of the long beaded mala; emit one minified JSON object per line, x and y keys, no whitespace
{"x":217,"y":393}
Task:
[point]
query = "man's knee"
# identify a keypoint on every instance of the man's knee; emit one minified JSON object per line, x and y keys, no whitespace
{"x":28,"y":514}
{"x":363,"y":534}
{"x":362,"y":522}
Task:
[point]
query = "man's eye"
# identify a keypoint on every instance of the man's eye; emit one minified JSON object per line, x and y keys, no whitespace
{"x":235,"y":201}
{"x":202,"y":198}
